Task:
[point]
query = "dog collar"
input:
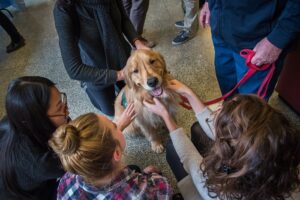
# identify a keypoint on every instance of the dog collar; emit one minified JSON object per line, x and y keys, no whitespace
{"x":124,"y":100}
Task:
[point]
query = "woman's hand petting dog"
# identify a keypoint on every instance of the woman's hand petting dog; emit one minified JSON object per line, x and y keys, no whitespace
{"x":158,"y":108}
{"x":179,"y":88}
{"x":126,"y":118}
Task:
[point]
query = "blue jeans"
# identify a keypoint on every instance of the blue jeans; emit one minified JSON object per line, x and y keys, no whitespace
{"x":230,"y":68}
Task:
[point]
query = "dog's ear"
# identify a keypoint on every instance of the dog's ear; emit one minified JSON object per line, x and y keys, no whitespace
{"x":127,"y":74}
{"x":163,"y":62}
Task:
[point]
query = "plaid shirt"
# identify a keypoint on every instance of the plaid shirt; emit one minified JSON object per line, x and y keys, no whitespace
{"x":129,"y":185}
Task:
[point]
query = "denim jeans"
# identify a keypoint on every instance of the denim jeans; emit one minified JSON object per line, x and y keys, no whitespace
{"x":231,"y":67}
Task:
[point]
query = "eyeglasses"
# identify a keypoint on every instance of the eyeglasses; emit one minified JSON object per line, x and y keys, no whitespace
{"x":64,"y":102}
{"x":64,"y":99}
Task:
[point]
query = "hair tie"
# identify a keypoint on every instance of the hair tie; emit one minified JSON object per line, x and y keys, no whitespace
{"x":227,"y":169}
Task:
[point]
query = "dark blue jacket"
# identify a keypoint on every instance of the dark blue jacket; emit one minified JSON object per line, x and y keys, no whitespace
{"x":243,"y":23}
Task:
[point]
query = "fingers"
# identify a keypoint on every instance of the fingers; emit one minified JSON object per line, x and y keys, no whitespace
{"x":147,"y":104}
{"x":256,"y":61}
{"x":152,"y":169}
{"x":202,"y":18}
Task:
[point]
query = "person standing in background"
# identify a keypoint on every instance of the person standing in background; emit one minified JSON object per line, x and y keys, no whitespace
{"x":136,"y":10}
{"x":93,"y":47}
{"x":266,"y":27}
{"x":17,"y":41}
{"x":189,"y":24}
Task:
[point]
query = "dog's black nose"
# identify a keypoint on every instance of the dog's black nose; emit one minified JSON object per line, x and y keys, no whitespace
{"x":152,"y":82}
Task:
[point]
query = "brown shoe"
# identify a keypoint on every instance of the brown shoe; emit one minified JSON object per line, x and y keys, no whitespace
{"x":148,"y":43}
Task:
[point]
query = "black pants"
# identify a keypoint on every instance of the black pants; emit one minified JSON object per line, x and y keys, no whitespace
{"x":201,"y":141}
{"x":104,"y":98}
{"x":9,"y":27}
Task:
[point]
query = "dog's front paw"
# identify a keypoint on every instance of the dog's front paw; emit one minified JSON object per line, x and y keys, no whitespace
{"x":157,"y":147}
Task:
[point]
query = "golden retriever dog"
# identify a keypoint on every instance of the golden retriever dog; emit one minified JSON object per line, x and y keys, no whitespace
{"x":146,"y":77}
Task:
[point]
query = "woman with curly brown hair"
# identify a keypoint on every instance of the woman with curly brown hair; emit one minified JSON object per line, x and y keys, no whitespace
{"x":251,"y":151}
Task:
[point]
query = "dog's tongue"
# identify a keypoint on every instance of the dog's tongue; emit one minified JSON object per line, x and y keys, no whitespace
{"x":157,"y":92}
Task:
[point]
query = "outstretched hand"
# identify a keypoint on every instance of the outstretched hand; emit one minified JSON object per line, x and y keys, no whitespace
{"x":126,"y":118}
{"x":179,"y":87}
{"x":158,"y":108}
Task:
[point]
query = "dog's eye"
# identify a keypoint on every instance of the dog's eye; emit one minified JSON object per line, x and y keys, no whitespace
{"x":135,"y":71}
{"x":151,"y":61}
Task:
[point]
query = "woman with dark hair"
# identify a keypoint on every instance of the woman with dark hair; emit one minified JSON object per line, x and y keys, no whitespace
{"x":34,"y":108}
{"x":94,"y":48}
{"x":249,"y":150}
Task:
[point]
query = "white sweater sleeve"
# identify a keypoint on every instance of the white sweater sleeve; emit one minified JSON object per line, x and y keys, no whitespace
{"x":206,"y":122}
{"x":191,"y":159}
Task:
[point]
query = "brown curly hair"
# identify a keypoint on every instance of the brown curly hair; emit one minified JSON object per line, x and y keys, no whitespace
{"x":256,"y":152}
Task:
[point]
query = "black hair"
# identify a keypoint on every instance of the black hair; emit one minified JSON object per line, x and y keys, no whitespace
{"x":26,"y":104}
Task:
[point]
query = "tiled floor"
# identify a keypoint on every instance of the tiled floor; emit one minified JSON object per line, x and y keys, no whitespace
{"x":191,"y":63}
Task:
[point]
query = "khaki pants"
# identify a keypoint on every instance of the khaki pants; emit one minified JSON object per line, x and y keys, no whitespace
{"x":191,"y":10}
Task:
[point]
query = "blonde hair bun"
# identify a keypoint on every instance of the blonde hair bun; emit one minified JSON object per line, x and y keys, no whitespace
{"x":67,"y":139}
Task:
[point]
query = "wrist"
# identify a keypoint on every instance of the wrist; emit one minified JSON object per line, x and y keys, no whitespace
{"x":119,"y":76}
{"x":170,"y":123}
{"x":138,"y":43}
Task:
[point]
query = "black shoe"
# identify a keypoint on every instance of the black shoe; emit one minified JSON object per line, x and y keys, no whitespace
{"x":182,"y":37}
{"x":13,"y":46}
{"x":177,"y":196}
{"x":179,"y":24}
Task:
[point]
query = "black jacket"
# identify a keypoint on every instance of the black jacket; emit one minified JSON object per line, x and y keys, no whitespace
{"x":36,"y":170}
{"x":243,"y":23}
{"x":84,"y":44}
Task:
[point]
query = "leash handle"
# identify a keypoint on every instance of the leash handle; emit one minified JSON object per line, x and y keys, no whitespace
{"x":248,"y":54}
{"x":262,"y":91}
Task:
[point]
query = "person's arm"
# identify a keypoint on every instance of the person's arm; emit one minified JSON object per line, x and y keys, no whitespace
{"x":202,"y":112}
{"x":126,"y":117}
{"x":287,"y":26}
{"x":182,"y":89}
{"x":68,"y":42}
{"x":187,"y":152}
{"x":284,"y":32}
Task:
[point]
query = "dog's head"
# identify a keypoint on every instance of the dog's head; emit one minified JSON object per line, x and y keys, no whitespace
{"x":146,"y":69}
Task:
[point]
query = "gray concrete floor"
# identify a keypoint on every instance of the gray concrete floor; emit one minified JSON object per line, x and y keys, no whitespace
{"x":191,"y":63}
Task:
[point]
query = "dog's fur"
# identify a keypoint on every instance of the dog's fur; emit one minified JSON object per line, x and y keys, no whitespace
{"x":142,"y":67}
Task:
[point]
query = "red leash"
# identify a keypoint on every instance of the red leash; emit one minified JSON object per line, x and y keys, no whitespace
{"x":185,"y":103}
{"x":248,"y":55}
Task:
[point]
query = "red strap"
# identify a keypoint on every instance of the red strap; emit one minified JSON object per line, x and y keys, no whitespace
{"x":185,"y":103}
{"x":248,"y":55}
